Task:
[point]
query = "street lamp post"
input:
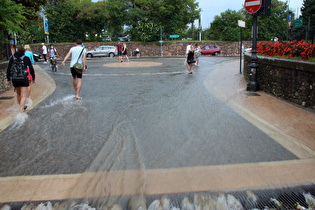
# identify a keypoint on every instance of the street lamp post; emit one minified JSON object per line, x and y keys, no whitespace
{"x":252,"y":84}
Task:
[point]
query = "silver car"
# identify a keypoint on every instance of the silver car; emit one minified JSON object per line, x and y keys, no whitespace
{"x":109,"y":51}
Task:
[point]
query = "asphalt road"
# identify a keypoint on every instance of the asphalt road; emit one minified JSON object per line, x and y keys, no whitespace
{"x":146,"y":113}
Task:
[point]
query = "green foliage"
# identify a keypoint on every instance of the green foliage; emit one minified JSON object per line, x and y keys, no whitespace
{"x":275,"y":25}
{"x":12,"y":18}
{"x":225,"y":27}
{"x":308,"y":10}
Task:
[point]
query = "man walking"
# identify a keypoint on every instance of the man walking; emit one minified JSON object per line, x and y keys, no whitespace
{"x":44,"y":49}
{"x":78,"y":54}
{"x":119,"y":48}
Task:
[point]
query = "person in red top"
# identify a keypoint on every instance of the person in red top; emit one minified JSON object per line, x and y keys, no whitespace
{"x":119,"y":49}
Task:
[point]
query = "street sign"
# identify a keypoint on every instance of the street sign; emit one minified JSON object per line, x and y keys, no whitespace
{"x":174,"y":36}
{"x":252,"y":6}
{"x":298,"y":23}
{"x":241,"y":23}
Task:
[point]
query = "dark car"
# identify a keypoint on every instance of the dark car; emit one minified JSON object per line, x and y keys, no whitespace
{"x":37,"y":56}
{"x":211,"y":50}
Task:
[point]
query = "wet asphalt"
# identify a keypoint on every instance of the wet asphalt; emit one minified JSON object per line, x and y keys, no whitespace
{"x":132,"y":117}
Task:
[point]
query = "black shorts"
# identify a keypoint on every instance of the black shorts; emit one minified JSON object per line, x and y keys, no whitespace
{"x":22,"y":83}
{"x":75,"y":74}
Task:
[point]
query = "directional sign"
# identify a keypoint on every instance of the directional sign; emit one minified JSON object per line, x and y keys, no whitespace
{"x":252,"y":6}
{"x":174,"y":36}
{"x":298,"y":23}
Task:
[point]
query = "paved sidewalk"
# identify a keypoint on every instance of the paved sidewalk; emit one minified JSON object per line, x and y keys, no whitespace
{"x":43,"y":87}
{"x":291,"y":126}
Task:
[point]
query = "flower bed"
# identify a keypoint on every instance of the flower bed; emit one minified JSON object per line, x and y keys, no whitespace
{"x":300,"y":49}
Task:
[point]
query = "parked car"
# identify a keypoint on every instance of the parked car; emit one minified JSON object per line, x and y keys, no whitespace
{"x":124,"y":38}
{"x":211,"y":49}
{"x":37,"y":56}
{"x":109,"y":51}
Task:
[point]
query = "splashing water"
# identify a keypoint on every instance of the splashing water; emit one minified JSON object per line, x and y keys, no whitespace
{"x":20,"y":119}
{"x":29,"y":102}
{"x":65,"y":99}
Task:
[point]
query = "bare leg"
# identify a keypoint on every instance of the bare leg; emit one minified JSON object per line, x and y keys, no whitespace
{"x":77,"y":82}
{"x":189,"y":66}
{"x":29,"y":89}
{"x":21,"y":96}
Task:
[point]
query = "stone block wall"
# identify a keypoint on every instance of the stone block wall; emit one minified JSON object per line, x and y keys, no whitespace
{"x":293,"y":81}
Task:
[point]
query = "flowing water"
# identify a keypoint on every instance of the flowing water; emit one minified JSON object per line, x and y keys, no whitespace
{"x":134,"y":122}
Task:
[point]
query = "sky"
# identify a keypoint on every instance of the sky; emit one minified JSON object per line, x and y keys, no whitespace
{"x":211,"y":8}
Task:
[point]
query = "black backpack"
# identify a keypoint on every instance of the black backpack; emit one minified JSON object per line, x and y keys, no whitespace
{"x":18,"y":70}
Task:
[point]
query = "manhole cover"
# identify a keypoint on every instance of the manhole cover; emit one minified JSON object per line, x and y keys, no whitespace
{"x":6,"y":97}
{"x":251,"y":94}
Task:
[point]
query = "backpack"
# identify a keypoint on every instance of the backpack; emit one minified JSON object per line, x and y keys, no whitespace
{"x":18,"y":70}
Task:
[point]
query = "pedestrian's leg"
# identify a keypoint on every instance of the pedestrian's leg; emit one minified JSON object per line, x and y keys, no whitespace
{"x":18,"y":94}
{"x":29,"y":89}
{"x":23,"y":93}
{"x":77,"y":87}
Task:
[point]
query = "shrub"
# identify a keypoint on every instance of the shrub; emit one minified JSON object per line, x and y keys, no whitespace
{"x":291,"y":49}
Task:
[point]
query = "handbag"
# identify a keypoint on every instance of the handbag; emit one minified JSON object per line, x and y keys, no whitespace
{"x":78,"y":67}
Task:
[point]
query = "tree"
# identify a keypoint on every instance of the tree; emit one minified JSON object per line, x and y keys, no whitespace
{"x":11,"y":19}
{"x":308,"y":10}
{"x":225,"y":27}
{"x":275,"y":25}
{"x":308,"y":15}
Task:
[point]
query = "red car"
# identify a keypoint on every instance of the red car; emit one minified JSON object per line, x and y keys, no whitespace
{"x":211,"y":49}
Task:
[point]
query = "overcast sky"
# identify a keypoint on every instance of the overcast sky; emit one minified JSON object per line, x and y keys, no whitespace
{"x":211,"y":8}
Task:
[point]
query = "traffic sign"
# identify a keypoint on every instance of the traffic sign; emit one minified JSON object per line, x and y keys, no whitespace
{"x":174,"y":36}
{"x":298,"y":23}
{"x":252,"y":6}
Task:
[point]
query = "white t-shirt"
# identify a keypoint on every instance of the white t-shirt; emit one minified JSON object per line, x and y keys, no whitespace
{"x":44,"y":48}
{"x":75,"y":53}
{"x":188,"y":48}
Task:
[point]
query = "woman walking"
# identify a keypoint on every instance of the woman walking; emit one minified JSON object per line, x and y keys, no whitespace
{"x":20,"y":86}
{"x":190,"y":59}
{"x":125,"y":52}
{"x":29,"y":54}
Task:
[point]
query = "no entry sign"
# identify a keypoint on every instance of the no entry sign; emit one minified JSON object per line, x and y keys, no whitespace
{"x":252,"y":6}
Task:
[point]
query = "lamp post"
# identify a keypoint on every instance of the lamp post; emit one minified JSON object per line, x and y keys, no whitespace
{"x":252,"y":84}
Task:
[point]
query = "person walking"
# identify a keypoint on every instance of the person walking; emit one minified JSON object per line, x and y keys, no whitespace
{"x":119,"y":48}
{"x":21,"y":86}
{"x":197,"y":54}
{"x":125,"y":52}
{"x":190,"y":59}
{"x":78,"y":54}
{"x":44,"y":52}
{"x":29,"y":54}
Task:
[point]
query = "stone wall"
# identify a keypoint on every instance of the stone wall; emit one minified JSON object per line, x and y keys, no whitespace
{"x":154,"y":49}
{"x":290,"y":80}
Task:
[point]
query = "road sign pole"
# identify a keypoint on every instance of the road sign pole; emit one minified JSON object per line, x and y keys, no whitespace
{"x":252,"y":84}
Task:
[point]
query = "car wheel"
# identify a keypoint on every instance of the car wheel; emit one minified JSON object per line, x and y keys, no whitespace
{"x":89,"y":55}
{"x":217,"y":53}
{"x":111,"y":55}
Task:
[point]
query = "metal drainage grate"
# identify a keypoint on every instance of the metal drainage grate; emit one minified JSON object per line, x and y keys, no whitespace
{"x":6,"y":97}
{"x":251,"y":94}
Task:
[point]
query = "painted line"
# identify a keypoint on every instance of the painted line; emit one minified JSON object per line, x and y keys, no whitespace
{"x":252,"y":3}
{"x":223,"y":178}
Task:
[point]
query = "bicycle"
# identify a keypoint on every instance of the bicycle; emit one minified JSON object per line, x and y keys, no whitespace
{"x":53,"y":63}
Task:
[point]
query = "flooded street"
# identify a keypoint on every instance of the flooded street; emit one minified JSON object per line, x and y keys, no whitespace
{"x":147,"y":114}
